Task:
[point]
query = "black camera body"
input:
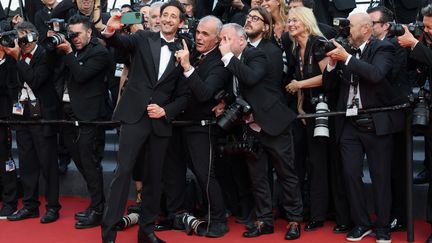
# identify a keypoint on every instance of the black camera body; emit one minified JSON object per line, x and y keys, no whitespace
{"x":234,"y":113}
{"x":56,"y":25}
{"x":420,"y":99}
{"x":7,"y":38}
{"x":416,"y":29}
{"x":343,"y":28}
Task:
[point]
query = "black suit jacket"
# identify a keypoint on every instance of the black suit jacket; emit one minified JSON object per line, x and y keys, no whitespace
{"x":372,"y":69}
{"x":86,"y":81}
{"x":143,"y":86}
{"x":422,"y":53}
{"x":8,"y":86}
{"x":38,"y":76}
{"x":210,"y":76}
{"x":262,"y":89}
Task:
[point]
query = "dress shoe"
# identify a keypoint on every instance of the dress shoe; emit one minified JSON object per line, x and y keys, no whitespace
{"x":23,"y":213}
{"x":166,"y":224}
{"x":313,"y":225}
{"x":382,"y":235}
{"x":358,"y":233}
{"x":341,"y":228}
{"x":50,"y":216}
{"x":429,"y":240}
{"x":82,"y":215}
{"x":148,"y":238}
{"x":93,"y":219}
{"x":7,"y":211}
{"x":217,"y":230}
{"x":422,"y":177}
{"x":259,"y":228}
{"x":293,"y":231}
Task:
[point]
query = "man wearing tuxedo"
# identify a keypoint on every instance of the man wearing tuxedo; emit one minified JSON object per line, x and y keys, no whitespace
{"x":155,"y":94}
{"x":37,"y":144}
{"x":362,"y":82}
{"x":421,"y":52}
{"x":270,"y":121}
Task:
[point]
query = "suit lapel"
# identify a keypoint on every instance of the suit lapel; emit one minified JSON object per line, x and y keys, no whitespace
{"x":155,"y":47}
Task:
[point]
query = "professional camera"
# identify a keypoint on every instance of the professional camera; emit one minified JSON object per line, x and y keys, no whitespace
{"x":234,"y":113}
{"x":420,"y":99}
{"x":50,"y":43}
{"x":7,"y":38}
{"x":190,"y":224}
{"x":321,"y":123}
{"x":343,"y":28}
{"x":416,"y":29}
{"x":57,"y":25}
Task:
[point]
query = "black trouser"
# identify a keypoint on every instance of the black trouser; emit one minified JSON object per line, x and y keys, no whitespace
{"x":133,"y":138}
{"x":337,"y":182}
{"x":8,"y":179}
{"x":281,"y":149}
{"x":353,"y":146}
{"x":199,"y":146}
{"x":84,"y":144}
{"x":38,"y":154}
{"x":317,"y":173}
{"x":63,"y":153}
{"x":398,"y":178}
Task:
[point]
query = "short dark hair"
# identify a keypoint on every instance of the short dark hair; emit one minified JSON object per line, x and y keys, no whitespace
{"x":427,"y":11}
{"x":177,"y":4}
{"x":26,"y":27}
{"x":78,"y":19}
{"x":386,"y":14}
{"x":127,"y":6}
{"x":306,"y":3}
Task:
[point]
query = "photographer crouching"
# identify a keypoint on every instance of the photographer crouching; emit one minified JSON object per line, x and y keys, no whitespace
{"x":270,"y":120}
{"x":361,"y":78}
{"x":421,"y":52}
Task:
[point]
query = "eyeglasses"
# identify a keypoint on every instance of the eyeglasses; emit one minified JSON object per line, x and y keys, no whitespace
{"x":254,"y":18}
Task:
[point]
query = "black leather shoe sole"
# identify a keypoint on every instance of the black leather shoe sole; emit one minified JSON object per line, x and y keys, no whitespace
{"x":82,"y":225}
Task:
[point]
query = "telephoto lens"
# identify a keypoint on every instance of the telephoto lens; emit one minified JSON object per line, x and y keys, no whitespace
{"x":321,"y":122}
{"x":127,"y":221}
{"x":190,"y":224}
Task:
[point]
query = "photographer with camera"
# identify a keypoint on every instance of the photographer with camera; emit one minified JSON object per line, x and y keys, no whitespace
{"x":37,"y":144}
{"x":86,"y":62}
{"x":361,"y":79}
{"x":270,"y":121}
{"x":205,"y":77}
{"x":8,"y":174}
{"x":421,"y":52}
{"x":43,"y":15}
{"x":305,"y":82}
{"x":155,"y":94}
{"x":383,"y":29}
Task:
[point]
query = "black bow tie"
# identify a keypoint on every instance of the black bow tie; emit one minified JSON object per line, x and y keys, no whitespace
{"x":172,"y":46}
{"x":355,"y":51}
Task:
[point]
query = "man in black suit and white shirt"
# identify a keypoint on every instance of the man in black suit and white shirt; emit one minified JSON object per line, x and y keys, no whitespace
{"x":270,"y":121}
{"x":155,"y":94}
{"x":363,"y":84}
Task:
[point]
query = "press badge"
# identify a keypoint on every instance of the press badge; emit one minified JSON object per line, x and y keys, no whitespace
{"x":10,"y":166}
{"x":66,"y":97}
{"x":353,"y":111}
{"x":119,"y":70}
{"x":18,"y":109}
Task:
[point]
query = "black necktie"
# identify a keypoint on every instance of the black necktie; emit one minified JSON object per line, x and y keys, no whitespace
{"x":198,"y":60}
{"x":171,"y":45}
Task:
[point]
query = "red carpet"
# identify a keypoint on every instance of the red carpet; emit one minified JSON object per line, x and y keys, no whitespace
{"x":62,"y":231}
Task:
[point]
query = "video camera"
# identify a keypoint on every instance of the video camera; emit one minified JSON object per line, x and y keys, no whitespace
{"x":343,"y":28}
{"x":416,"y":29}
{"x":59,"y":26}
